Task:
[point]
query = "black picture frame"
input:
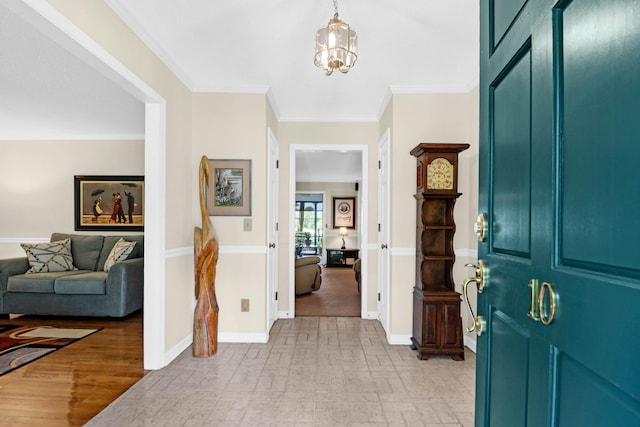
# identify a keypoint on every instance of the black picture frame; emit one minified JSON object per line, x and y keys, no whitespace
{"x":344,"y":212}
{"x":95,"y":197}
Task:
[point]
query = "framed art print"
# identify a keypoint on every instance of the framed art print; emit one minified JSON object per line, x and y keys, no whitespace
{"x":344,"y":212}
{"x":109,"y":202}
{"x":229,"y":191}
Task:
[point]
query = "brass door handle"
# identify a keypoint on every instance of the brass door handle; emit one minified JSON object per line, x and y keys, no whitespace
{"x":480,"y":227}
{"x":480,"y":325}
{"x":383,"y":246}
{"x":272,"y":245}
{"x":479,"y":280}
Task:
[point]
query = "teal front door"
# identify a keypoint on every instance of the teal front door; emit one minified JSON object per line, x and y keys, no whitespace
{"x":560,"y":187}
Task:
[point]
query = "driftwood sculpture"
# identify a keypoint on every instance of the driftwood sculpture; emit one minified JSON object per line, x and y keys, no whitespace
{"x":205,"y":244}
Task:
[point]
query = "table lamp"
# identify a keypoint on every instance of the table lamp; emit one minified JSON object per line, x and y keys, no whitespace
{"x":343,"y":232}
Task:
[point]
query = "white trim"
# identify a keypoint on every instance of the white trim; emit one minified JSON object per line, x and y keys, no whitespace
{"x":234,"y":250}
{"x":371,"y":315}
{"x":19,"y":240}
{"x":402,"y":251}
{"x":331,"y":179}
{"x":177,"y":349}
{"x":285,"y":315}
{"x":274,"y":105}
{"x":84,"y":47}
{"x":138,"y":29}
{"x":411,"y":90}
{"x":363,"y":213}
{"x":68,"y":137}
{"x":230,"y":250}
{"x":469,"y":253}
{"x":257,"y":90}
{"x":155,"y":236}
{"x":388,"y":96}
{"x":324,"y":119}
{"x":470,"y":343}
{"x":399,"y":339}
{"x":178,"y":252}
{"x":238,"y":337}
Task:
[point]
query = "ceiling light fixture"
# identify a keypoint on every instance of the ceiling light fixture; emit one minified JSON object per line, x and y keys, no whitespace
{"x":336,"y":45}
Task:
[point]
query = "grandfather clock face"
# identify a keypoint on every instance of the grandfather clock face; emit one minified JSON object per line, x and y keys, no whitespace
{"x":440,"y":175}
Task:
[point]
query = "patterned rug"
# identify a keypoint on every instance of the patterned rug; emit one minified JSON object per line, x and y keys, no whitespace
{"x":20,"y":345}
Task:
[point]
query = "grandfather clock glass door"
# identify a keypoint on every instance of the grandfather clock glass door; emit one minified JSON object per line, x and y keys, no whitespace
{"x":437,"y":327}
{"x":559,"y":186}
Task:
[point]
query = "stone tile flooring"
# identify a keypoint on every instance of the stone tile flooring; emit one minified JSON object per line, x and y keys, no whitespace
{"x":315,"y":371}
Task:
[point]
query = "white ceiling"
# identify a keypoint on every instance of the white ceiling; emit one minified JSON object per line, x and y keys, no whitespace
{"x":258,"y":45}
{"x":47,"y":92}
{"x":249,"y":46}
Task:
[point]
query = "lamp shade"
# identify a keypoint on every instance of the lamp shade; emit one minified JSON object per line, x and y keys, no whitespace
{"x":336,"y":46}
{"x":343,"y":231}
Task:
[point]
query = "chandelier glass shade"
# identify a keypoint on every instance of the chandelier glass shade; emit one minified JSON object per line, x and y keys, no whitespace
{"x":336,"y":46}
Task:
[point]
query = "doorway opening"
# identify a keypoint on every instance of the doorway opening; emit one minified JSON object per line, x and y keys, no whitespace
{"x":320,"y":174}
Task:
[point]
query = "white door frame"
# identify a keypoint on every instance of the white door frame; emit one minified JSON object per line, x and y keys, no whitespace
{"x":384,"y":235}
{"x":96,"y":56}
{"x":272,"y":227}
{"x":363,"y":219}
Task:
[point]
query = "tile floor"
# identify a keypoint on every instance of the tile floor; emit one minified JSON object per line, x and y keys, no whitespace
{"x":315,"y":371}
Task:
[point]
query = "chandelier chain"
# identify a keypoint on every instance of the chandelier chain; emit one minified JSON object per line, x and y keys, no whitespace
{"x":335,"y":6}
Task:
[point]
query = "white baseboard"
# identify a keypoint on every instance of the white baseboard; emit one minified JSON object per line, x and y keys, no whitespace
{"x":395,"y":339}
{"x":470,"y":343}
{"x":236,"y":337}
{"x":177,"y":349}
{"x":284,"y":315}
{"x":371,"y":315}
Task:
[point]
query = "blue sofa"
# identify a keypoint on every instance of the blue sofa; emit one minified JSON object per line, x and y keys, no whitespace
{"x":87,"y":291}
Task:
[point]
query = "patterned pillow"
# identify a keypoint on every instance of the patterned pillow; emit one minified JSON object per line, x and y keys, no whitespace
{"x":50,"y":256}
{"x":120,"y":252}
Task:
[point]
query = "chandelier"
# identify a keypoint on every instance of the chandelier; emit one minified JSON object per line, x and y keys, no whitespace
{"x":336,"y":45}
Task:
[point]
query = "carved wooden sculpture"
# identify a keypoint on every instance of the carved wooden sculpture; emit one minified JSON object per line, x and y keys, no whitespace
{"x":205,"y":244}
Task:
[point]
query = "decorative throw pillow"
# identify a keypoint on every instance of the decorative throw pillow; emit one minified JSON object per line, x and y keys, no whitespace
{"x":120,"y":252}
{"x":50,"y":256}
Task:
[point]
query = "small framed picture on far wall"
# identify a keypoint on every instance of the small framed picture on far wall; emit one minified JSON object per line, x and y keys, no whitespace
{"x":344,"y":212}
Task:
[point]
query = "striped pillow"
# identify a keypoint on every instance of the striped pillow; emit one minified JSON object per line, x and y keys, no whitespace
{"x":120,"y":252}
{"x":50,"y":256}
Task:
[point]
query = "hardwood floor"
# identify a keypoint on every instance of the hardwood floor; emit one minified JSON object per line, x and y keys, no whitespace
{"x":73,"y":384}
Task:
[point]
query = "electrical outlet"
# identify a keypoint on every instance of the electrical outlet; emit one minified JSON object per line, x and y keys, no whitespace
{"x":246,"y":224}
{"x":244,"y":305}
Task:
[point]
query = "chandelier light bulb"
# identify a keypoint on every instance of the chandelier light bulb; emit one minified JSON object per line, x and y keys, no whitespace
{"x":336,"y":46}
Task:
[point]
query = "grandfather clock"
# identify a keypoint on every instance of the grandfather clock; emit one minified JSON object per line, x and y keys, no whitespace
{"x":437,"y":326}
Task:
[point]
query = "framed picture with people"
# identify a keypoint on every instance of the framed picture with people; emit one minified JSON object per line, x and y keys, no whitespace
{"x":109,"y":202}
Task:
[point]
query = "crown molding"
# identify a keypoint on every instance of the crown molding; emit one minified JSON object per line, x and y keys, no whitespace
{"x":58,"y":137}
{"x":138,"y":30}
{"x":409,"y":90}
{"x":328,"y":119}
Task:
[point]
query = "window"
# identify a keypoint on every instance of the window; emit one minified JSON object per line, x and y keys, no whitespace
{"x":309,"y":220}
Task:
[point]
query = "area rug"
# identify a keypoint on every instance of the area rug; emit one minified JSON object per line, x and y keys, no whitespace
{"x":20,"y":345}
{"x":338,"y":295}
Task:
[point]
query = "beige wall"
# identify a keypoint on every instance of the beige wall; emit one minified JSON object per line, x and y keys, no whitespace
{"x":36,"y":183}
{"x":319,"y":134}
{"x":334,"y":189}
{"x":234,"y":126}
{"x":415,"y":119}
{"x":100,"y":23}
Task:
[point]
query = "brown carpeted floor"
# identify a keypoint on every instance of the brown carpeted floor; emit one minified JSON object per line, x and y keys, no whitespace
{"x":338,"y":296}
